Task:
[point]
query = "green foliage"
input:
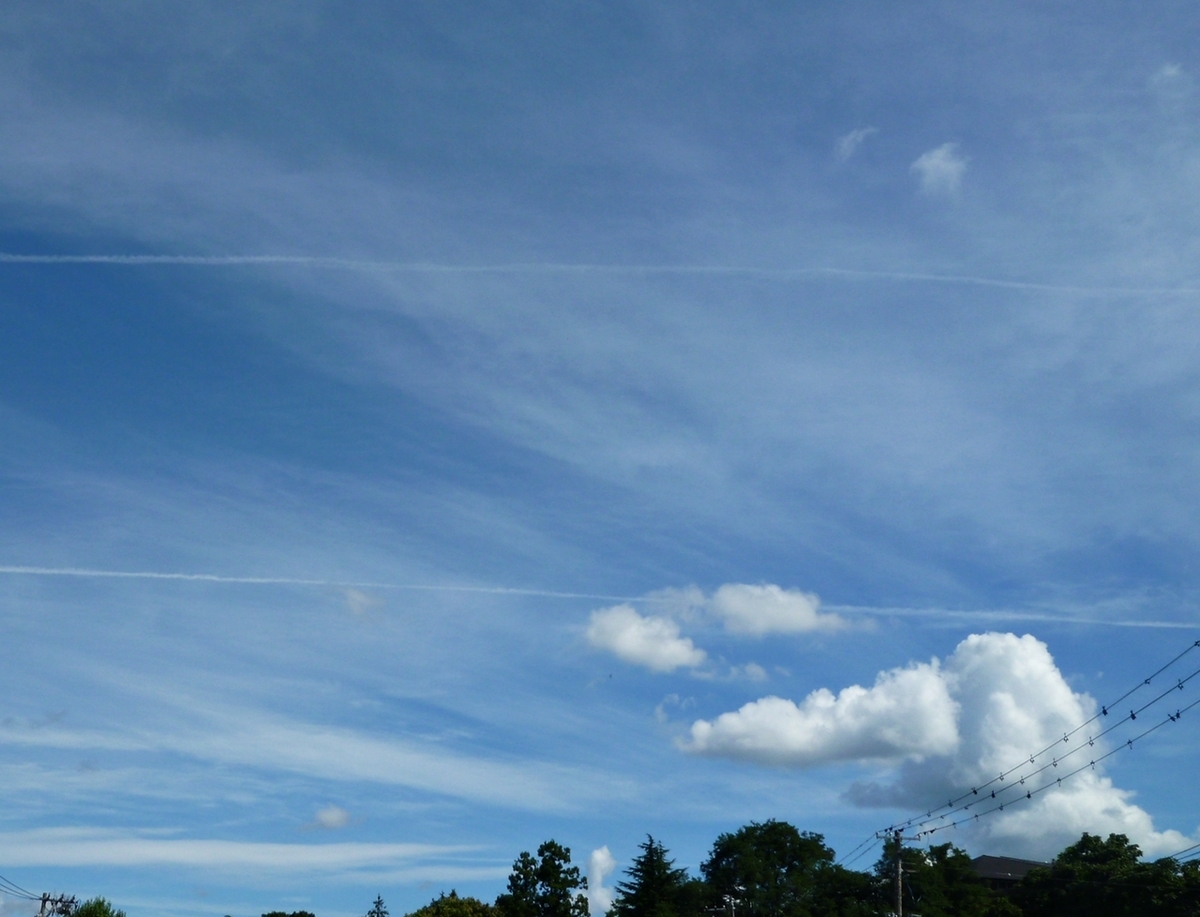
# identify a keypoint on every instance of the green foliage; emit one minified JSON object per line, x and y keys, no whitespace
{"x":939,"y":882}
{"x":378,"y":909}
{"x":1095,"y":876}
{"x":654,"y":887}
{"x":773,"y":870}
{"x":545,"y":886}
{"x":98,"y":907}
{"x":452,"y":905}
{"x":287,"y":914}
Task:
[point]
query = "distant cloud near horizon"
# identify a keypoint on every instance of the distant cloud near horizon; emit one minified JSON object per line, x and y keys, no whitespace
{"x":941,"y":169}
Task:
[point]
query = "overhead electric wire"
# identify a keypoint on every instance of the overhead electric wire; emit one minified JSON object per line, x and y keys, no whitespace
{"x":872,"y":838}
{"x":16,"y":891}
{"x":1175,"y":856}
{"x":867,"y":847}
{"x":1029,"y":794}
{"x":918,"y":822}
{"x":1104,"y":708}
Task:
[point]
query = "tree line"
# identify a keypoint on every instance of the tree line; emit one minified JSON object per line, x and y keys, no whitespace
{"x":771,"y":869}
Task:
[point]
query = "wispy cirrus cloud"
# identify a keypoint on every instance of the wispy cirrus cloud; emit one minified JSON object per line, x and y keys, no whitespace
{"x":85,"y":846}
{"x":848,"y":144}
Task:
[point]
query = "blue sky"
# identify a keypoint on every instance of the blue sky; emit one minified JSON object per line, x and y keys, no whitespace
{"x":586,"y":420}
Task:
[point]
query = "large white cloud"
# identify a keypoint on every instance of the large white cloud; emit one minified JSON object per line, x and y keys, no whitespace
{"x":997,"y":700}
{"x":650,"y":641}
{"x":908,"y":712}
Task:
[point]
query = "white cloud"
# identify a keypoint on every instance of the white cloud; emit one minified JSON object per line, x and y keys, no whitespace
{"x":997,"y":700}
{"x":742,"y":610}
{"x":331,"y":818}
{"x":941,"y":169}
{"x":67,"y":847}
{"x":600,"y":865}
{"x":360,"y":603}
{"x":848,"y":145}
{"x":908,"y":712}
{"x":653,"y":642}
{"x":760,"y":610}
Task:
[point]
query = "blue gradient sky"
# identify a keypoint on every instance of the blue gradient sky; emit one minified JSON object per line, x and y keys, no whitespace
{"x":897,"y":306}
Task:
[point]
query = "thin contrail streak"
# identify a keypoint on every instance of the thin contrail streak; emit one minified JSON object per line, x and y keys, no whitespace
{"x":291,"y":581}
{"x":945,"y":613}
{"x":416,"y":267}
{"x":1002,"y":615}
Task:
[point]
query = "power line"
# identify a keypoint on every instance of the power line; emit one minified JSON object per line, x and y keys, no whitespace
{"x":917,"y":821}
{"x":17,"y":891}
{"x":1029,"y":794}
{"x":953,"y":804}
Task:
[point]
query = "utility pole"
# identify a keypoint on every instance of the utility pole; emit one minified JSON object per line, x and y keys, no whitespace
{"x":897,"y":835}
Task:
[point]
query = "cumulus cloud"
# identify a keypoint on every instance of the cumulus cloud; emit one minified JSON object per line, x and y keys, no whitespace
{"x":940,"y":170}
{"x":650,"y":641}
{"x":331,"y":818}
{"x":760,"y":610}
{"x":906,"y":713}
{"x":656,"y":642}
{"x":848,"y":144}
{"x":600,"y":866}
{"x":994,"y":702}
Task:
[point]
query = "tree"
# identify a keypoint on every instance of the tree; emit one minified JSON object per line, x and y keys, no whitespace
{"x":654,"y":887}
{"x":939,"y":882}
{"x":378,"y":909}
{"x":1095,"y":876}
{"x":770,"y":869}
{"x":545,"y":886}
{"x":452,"y":905}
{"x":286,"y":914}
{"x":98,"y":907}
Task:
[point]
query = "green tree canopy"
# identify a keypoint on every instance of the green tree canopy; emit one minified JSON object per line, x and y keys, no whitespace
{"x":1095,"y":876}
{"x":769,"y":869}
{"x":378,"y":909}
{"x":939,"y":882}
{"x":654,"y":888}
{"x":545,"y":886}
{"x":452,"y":905}
{"x":98,"y":907}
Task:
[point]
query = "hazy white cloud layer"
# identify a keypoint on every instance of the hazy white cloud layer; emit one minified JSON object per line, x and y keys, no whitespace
{"x":997,"y":700}
{"x":95,"y":847}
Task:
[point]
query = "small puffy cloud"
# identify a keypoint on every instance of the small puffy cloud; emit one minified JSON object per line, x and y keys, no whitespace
{"x":848,"y":144}
{"x":760,"y":610}
{"x":940,"y":170}
{"x":650,"y":641}
{"x":600,"y":866}
{"x":331,"y":818}
{"x":906,"y":713}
